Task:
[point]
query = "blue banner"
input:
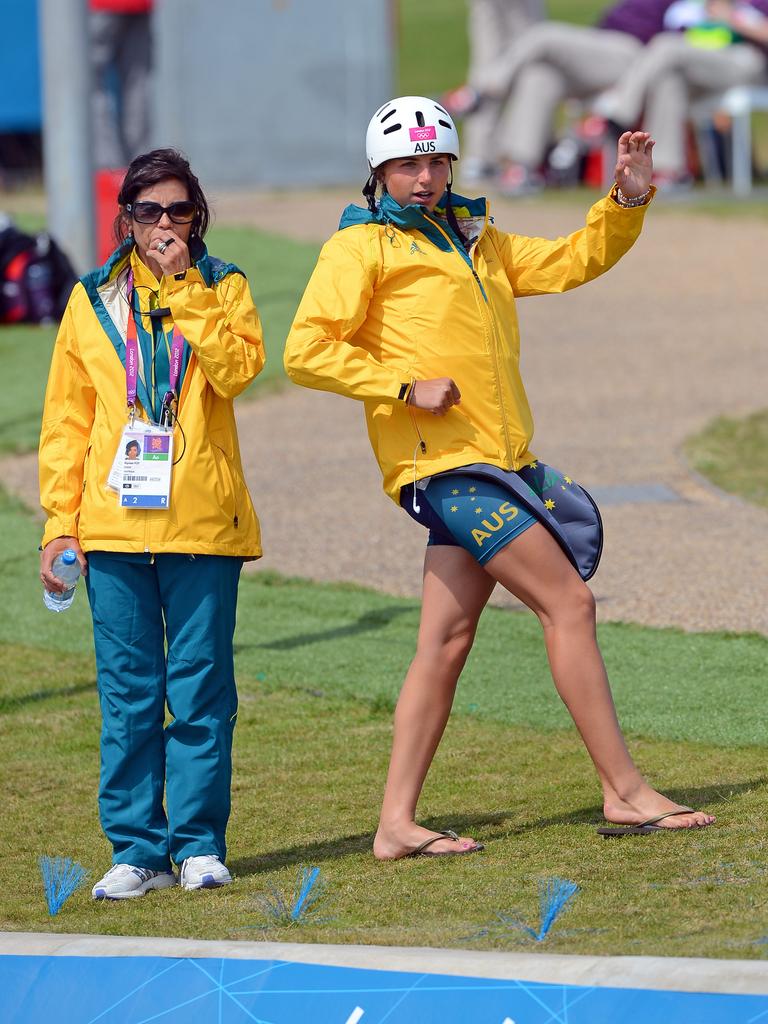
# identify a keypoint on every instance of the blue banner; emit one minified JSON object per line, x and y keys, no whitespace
{"x":20,"y":93}
{"x":137,"y":990}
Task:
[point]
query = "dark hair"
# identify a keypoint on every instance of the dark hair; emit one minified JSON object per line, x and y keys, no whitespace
{"x":151,"y":168}
{"x":450,"y":216}
{"x":369,"y":191}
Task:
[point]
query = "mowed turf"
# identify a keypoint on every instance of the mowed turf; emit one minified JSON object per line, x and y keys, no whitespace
{"x":318,"y":670}
{"x":733,"y":453}
{"x":277,"y":270}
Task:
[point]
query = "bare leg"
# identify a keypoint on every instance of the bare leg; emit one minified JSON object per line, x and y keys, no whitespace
{"x":534,"y":569}
{"x":456,"y":590}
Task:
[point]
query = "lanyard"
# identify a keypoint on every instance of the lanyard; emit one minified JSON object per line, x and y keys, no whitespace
{"x":132,"y":360}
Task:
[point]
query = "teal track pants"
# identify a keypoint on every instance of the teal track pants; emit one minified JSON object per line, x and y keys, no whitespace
{"x":163,"y":631}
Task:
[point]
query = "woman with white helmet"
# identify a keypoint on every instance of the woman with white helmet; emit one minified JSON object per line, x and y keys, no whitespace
{"x":411,"y":309}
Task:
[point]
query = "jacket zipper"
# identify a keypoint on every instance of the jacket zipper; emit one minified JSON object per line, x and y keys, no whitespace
{"x":494,"y":341}
{"x":501,"y":390}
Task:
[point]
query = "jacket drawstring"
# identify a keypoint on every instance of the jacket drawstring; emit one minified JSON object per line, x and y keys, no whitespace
{"x":421,"y":446}
{"x":416,"y":507}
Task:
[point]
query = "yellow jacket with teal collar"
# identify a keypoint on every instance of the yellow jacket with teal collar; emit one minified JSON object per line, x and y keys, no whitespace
{"x":395,"y":297}
{"x":85,"y":411}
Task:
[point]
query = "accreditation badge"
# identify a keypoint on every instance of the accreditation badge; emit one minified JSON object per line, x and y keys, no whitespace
{"x":116,"y":472}
{"x":147,"y":463}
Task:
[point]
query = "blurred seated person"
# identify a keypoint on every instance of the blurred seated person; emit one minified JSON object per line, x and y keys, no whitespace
{"x":493,"y":27}
{"x":547,"y":64}
{"x":710,"y":46}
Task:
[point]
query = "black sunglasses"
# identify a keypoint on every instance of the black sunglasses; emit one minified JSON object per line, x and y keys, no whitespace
{"x":150,"y":213}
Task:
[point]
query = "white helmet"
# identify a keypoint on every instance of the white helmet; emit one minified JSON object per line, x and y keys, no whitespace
{"x":410,"y":126}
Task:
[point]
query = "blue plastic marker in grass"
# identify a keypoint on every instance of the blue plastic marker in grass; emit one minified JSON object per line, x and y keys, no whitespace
{"x":554,"y":896}
{"x":301,"y":907}
{"x":61,"y":877}
{"x":304,"y":901}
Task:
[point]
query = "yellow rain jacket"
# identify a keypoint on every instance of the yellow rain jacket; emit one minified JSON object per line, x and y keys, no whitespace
{"x":210,"y":509}
{"x":395,"y":298}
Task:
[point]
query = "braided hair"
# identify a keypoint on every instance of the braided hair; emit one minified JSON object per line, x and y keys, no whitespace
{"x":450,"y":214}
{"x":369,"y":191}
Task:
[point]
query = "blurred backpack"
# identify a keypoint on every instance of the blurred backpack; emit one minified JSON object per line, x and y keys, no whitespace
{"x":36,"y":277}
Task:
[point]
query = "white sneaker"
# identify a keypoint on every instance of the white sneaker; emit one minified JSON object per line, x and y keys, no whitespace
{"x":124,"y":881}
{"x":204,"y":873}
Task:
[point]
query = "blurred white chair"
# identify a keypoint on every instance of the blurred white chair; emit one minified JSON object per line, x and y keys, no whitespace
{"x":739,"y":103}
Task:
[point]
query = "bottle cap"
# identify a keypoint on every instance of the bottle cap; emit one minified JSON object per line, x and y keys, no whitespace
{"x":68,"y":557}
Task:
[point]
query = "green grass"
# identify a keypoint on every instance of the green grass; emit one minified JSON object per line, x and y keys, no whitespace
{"x":318,"y":669}
{"x":356,"y":644}
{"x":433,"y":51}
{"x":348,"y":643}
{"x":26,"y":220}
{"x":580,"y":12}
{"x":308,"y":774}
{"x":733,"y":454}
{"x":277,"y":269}
{"x":25,"y":354}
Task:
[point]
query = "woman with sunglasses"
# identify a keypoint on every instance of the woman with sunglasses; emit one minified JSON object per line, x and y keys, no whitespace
{"x":411,"y":309}
{"x":152,"y":350}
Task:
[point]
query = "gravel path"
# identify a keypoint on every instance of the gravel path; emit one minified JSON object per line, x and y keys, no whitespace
{"x":618,"y":373}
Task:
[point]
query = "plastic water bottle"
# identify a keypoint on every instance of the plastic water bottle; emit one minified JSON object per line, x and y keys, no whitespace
{"x":67,"y":568}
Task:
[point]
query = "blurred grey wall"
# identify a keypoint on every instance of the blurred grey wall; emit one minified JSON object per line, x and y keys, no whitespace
{"x":271,"y":92}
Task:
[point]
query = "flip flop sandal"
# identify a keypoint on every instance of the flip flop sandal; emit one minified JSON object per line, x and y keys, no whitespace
{"x":644,"y":828}
{"x":423,"y":849}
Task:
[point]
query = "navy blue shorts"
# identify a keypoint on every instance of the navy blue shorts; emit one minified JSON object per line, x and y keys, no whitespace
{"x":472,"y":512}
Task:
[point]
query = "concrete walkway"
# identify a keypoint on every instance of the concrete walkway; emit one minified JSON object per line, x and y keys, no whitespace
{"x":679,"y":974}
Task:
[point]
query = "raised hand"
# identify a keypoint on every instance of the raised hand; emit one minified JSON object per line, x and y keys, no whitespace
{"x":634,"y":163}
